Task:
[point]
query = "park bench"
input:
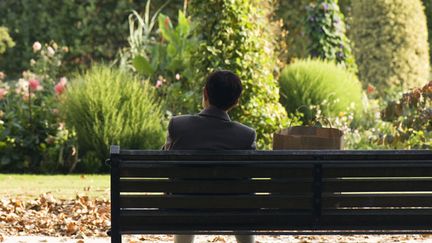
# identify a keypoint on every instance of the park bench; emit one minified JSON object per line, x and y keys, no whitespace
{"x":270,"y":192}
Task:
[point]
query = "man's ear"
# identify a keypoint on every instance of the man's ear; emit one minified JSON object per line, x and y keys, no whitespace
{"x":237,"y":102}
{"x":205,"y":93}
{"x":205,"y":102}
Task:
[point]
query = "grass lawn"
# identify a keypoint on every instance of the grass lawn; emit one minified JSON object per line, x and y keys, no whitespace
{"x":61,"y":186}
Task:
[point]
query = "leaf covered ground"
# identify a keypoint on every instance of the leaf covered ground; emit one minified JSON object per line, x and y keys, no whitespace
{"x":77,"y":210}
{"x":47,"y":215}
{"x":86,"y":220}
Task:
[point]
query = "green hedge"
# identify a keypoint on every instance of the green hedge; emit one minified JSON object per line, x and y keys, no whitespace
{"x":390,"y":43}
{"x":236,"y":35}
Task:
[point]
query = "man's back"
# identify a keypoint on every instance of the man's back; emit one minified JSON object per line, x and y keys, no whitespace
{"x":211,"y":129}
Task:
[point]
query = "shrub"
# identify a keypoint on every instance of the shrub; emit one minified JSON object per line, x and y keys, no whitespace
{"x":307,"y":83}
{"x":108,"y":106}
{"x":327,"y":34}
{"x":371,"y":133}
{"x":236,"y":35}
{"x":390,"y":43}
{"x":412,"y":118}
{"x":5,"y":40}
{"x":164,"y":58}
{"x":32,"y":135}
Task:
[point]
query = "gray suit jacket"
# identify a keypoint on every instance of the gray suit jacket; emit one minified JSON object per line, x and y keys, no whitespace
{"x":211,"y":129}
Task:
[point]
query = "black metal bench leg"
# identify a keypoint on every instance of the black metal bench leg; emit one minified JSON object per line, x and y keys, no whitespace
{"x":116,"y":237}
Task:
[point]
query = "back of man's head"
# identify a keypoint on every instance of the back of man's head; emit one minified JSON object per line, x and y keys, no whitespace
{"x":223,"y":89}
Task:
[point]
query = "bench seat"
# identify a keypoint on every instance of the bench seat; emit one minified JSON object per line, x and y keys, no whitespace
{"x":270,"y":192}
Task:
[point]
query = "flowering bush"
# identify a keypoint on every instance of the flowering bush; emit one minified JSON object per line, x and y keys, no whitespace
{"x":411,"y":117}
{"x":370,"y":133}
{"x":404,"y":124}
{"x":32,"y":136}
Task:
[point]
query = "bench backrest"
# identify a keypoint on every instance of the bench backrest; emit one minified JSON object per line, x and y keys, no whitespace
{"x":199,"y":192}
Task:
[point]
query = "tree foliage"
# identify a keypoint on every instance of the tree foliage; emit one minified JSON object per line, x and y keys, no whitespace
{"x":327,"y":33}
{"x":236,"y":35}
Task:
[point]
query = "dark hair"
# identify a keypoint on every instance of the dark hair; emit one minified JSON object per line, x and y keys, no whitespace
{"x":223,"y":89}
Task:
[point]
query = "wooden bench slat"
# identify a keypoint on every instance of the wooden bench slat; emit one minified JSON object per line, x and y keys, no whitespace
{"x":376,"y":185}
{"x":353,"y":221}
{"x":279,"y":155}
{"x":265,"y":219}
{"x":216,"y":202}
{"x":376,"y":212}
{"x":377,"y":200}
{"x":190,"y":171}
{"x":383,"y":170}
{"x":215,"y":186}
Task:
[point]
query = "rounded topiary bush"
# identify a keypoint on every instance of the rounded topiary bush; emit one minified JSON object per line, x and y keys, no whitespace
{"x":109,"y":106}
{"x":390,"y":43}
{"x":307,"y":83}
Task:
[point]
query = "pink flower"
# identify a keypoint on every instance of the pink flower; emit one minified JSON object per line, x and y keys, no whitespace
{"x":37,"y":46}
{"x":159,"y":83}
{"x":60,"y":87}
{"x":3,"y":93}
{"x":63,"y":81}
{"x":26,"y":96}
{"x":34,"y":84}
{"x":177,"y":76}
{"x":51,"y":51}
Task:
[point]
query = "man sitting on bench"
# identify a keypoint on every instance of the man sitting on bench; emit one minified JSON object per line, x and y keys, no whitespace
{"x":212,"y":128}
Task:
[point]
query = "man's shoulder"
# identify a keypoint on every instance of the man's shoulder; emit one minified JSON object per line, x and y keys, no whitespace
{"x":243,"y":127}
{"x":181,"y":121}
{"x":183,"y":118}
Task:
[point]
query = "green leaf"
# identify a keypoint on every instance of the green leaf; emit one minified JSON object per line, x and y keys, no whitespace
{"x":165,"y":27}
{"x":183,"y":26}
{"x":142,"y":65}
